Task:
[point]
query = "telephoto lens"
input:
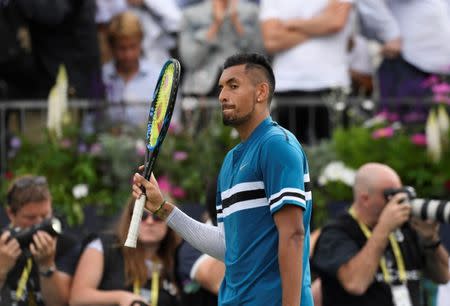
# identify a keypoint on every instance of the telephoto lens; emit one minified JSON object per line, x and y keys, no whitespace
{"x":426,"y":209}
{"x":25,"y":236}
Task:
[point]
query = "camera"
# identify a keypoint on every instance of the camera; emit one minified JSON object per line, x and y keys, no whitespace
{"x":25,"y":236}
{"x":426,"y":209}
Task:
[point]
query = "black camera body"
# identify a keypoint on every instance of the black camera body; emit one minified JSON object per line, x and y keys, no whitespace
{"x":25,"y":236}
{"x":426,"y":209}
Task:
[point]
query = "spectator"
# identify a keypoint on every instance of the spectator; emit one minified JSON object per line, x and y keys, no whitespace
{"x":372,"y":255}
{"x":42,"y":273}
{"x":210,"y":32}
{"x":109,"y":273}
{"x":129,"y":79}
{"x":160,"y":24}
{"x":63,"y":32}
{"x":17,"y":69}
{"x":361,"y":67}
{"x":308,"y":40}
{"x":415,"y":36}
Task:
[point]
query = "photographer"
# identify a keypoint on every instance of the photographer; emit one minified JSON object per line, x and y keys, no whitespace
{"x":39,"y":273}
{"x":372,"y":255}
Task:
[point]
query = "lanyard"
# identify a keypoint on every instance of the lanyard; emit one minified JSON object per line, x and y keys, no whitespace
{"x":24,"y":279}
{"x":395,"y":248}
{"x":154,"y":288}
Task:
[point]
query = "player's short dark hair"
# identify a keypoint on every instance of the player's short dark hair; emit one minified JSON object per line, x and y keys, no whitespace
{"x":253,"y":61}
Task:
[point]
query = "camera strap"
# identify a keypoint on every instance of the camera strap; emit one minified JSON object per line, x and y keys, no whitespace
{"x":22,"y":284}
{"x":395,"y":248}
{"x":154,"y":287}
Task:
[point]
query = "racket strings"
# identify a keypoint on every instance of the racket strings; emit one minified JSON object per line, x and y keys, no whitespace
{"x":162,"y":101}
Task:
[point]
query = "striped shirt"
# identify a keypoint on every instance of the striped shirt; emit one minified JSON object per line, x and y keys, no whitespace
{"x":258,"y":177}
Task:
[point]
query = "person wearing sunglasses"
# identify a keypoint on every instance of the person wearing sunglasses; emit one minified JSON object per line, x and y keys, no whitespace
{"x":39,"y":273}
{"x":110,"y":274}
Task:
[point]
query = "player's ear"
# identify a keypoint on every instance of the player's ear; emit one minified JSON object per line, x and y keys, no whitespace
{"x":262,"y":92}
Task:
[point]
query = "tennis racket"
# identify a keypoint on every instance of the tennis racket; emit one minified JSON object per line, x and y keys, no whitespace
{"x":159,"y":116}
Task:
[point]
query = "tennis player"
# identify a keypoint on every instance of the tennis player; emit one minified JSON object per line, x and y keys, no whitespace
{"x":263,"y":198}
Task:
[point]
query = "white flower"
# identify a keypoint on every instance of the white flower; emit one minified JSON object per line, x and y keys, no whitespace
{"x":57,"y":103}
{"x":337,"y":171}
{"x":80,"y":191}
{"x":433,"y":134}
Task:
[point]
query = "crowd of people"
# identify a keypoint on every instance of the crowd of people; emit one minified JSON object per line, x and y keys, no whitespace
{"x":259,"y":250}
{"x":322,"y":51}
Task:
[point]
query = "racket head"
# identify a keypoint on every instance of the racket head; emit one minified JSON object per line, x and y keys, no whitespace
{"x":161,"y":110}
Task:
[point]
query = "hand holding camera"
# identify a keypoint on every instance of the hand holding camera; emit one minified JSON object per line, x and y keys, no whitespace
{"x":9,"y":252}
{"x":394,"y":215}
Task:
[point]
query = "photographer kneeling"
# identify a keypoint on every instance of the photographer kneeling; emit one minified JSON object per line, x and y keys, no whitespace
{"x":37,"y":271}
{"x":372,"y":255}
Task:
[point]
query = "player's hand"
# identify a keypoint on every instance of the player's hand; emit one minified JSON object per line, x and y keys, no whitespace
{"x":152,"y":191}
{"x":43,"y":249}
{"x":428,"y":230}
{"x":9,"y":252}
{"x":395,"y":213}
{"x":127,"y":298}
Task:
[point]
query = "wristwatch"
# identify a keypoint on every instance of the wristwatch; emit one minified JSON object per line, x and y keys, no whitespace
{"x":47,"y":272}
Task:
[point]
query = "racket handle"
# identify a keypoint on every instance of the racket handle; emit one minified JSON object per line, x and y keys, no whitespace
{"x":133,"y":230}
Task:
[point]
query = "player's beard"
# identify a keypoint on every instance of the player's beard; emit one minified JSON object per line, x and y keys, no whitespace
{"x":235,"y":121}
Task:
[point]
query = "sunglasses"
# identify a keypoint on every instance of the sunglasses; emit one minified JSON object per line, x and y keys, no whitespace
{"x":26,"y":182}
{"x":146,"y":214}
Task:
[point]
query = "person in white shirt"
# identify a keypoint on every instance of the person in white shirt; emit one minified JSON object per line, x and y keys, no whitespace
{"x":129,"y":79}
{"x":308,"y":40}
{"x":415,"y":35}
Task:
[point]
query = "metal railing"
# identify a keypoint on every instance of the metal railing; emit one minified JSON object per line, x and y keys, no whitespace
{"x":22,"y":107}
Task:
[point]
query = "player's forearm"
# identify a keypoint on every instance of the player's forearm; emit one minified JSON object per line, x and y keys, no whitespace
{"x":436,"y":266}
{"x":206,"y":238}
{"x":278,"y":38}
{"x":359,"y":272}
{"x":290,"y":253}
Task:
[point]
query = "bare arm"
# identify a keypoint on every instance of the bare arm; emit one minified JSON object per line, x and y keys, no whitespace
{"x":210,"y":273}
{"x":358,"y":273}
{"x":289,"y":222}
{"x":55,"y":288}
{"x":331,"y":20}
{"x":436,"y":258}
{"x":87,"y":279}
{"x":278,"y":37}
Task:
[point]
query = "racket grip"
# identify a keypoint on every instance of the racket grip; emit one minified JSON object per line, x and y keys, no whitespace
{"x":133,"y":230}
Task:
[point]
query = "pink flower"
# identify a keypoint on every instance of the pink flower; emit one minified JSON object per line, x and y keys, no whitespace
{"x":430,"y":81}
{"x":66,"y":143}
{"x":386,"y":132}
{"x":164,"y":184}
{"x":419,"y":140}
{"x":447,"y":185}
{"x":178,"y":192}
{"x":180,"y":155}
{"x":441,"y":89}
{"x":96,"y":149}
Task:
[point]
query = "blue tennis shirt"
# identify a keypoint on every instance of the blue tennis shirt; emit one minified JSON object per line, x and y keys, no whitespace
{"x":258,"y":177}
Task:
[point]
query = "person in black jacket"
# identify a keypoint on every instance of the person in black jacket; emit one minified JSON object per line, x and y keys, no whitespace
{"x":64,"y":32}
